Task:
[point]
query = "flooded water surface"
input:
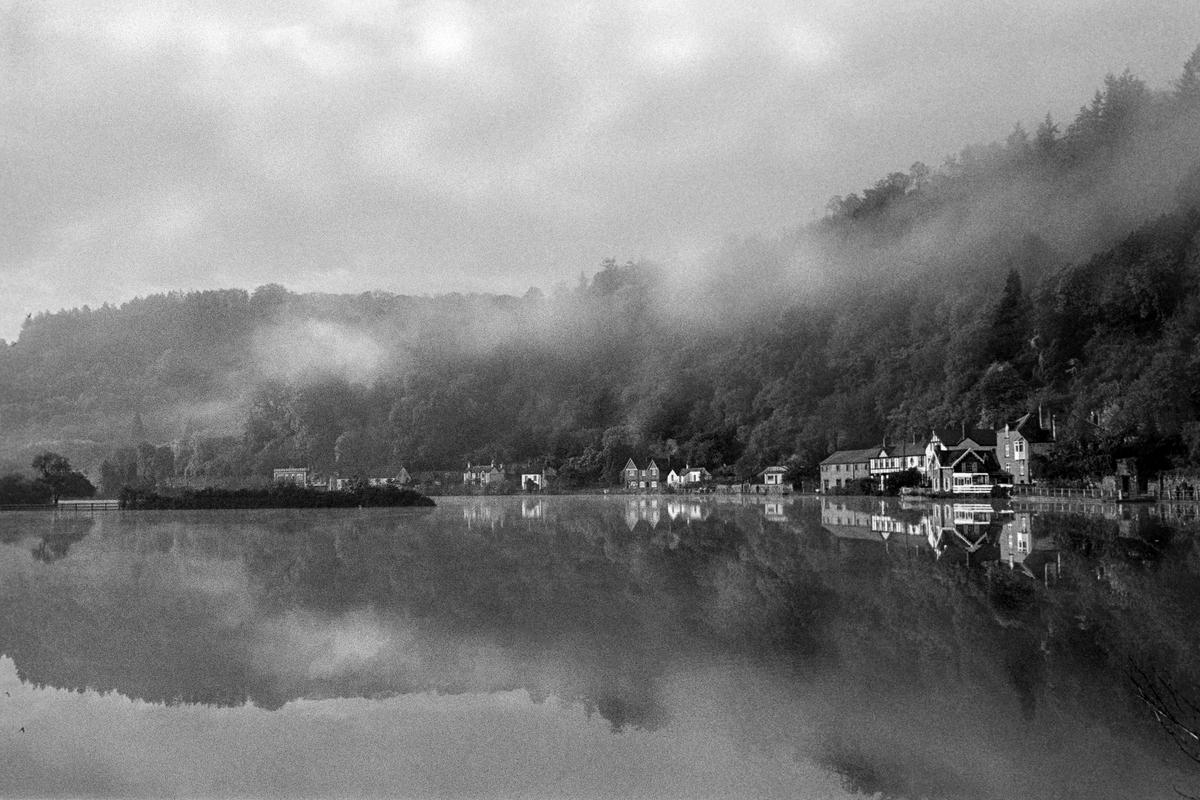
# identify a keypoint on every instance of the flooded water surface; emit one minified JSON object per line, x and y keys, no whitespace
{"x":602,"y":647}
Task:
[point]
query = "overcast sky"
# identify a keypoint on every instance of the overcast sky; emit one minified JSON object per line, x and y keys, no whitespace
{"x":439,"y":146}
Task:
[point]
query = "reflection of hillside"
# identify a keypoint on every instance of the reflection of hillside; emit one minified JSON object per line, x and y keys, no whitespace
{"x":223,"y":608}
{"x":268,"y":607}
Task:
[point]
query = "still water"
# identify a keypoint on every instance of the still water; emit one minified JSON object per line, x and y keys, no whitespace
{"x":598,"y":647}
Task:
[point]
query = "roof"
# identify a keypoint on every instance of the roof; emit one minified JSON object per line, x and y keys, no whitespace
{"x":947,"y":436}
{"x":981,"y":436}
{"x":851,"y":456}
{"x":904,"y":449}
{"x":951,"y":458}
{"x":773,"y":470}
{"x":950,"y":437}
{"x":1031,"y":429}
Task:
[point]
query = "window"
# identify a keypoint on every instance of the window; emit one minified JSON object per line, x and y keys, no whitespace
{"x":1019,"y":448}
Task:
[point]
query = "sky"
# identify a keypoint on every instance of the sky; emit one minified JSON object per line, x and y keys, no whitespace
{"x":429,"y":147}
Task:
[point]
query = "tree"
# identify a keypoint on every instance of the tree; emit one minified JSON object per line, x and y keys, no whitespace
{"x":1010,"y":322}
{"x":56,"y":472}
{"x":1187,"y":85}
{"x":1046,"y":137}
{"x":137,"y":429}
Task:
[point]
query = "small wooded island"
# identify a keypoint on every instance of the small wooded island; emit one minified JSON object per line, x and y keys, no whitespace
{"x":277,"y":496}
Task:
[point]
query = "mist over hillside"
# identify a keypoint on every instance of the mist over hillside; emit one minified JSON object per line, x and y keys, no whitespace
{"x":1056,"y":268}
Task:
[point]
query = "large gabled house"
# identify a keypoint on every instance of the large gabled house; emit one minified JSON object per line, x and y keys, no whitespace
{"x":965,"y":471}
{"x":634,"y":477}
{"x":1018,"y":442}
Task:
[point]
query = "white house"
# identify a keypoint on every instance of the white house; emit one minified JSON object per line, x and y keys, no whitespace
{"x":533,"y":481}
{"x":298,"y":476}
{"x":773,"y":476}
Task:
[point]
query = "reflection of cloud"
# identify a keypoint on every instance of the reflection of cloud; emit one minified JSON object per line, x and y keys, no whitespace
{"x":308,"y":646}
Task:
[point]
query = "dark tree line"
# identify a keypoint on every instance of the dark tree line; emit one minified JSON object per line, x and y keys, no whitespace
{"x":55,"y":480}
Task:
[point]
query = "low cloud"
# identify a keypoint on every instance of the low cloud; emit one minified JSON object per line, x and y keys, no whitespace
{"x":311,"y":350}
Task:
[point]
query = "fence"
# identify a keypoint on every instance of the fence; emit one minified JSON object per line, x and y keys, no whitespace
{"x":89,"y":505}
{"x":1091,"y":492}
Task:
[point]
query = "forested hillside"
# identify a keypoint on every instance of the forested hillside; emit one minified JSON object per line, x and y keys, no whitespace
{"x":1058,"y":268}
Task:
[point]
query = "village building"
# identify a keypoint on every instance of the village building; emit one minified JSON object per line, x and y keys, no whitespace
{"x":965,"y":471}
{"x":846,"y":469}
{"x":674,"y":480}
{"x":533,"y":481}
{"x":1018,"y":442}
{"x":481,"y":475}
{"x":647,"y":477}
{"x":297,"y":476}
{"x":694,"y":478}
{"x":960,"y":439}
{"x":894,"y":459}
{"x":773,"y":476}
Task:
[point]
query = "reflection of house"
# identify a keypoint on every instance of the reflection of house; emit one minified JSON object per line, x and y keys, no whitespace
{"x":298,"y":476}
{"x":775,"y":512}
{"x":965,"y":530}
{"x":1037,"y":558}
{"x":646,"y":509}
{"x":483,"y":515}
{"x":634,"y":477}
{"x":842,"y":519}
{"x":687,"y":512}
{"x":887,"y":525}
{"x":533,"y":509}
{"x":1016,"y":444}
{"x":965,"y":471}
{"x":480,"y":475}
{"x":846,"y":468}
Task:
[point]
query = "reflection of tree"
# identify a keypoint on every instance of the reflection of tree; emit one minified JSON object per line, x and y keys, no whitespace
{"x":1178,"y":715}
{"x":63,"y":533}
{"x":891,"y":779}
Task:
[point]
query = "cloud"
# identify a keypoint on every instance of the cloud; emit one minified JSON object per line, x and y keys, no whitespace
{"x":314,"y":349}
{"x":446,"y":145}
